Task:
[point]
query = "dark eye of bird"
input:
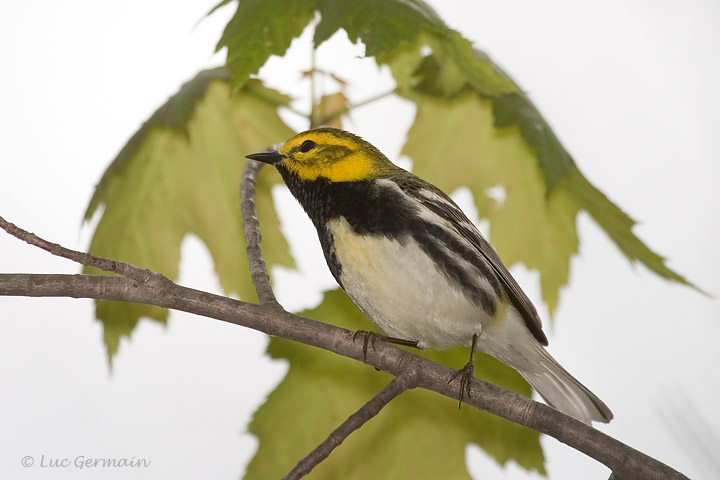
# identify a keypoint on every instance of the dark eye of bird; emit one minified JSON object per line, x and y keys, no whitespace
{"x":307,"y":145}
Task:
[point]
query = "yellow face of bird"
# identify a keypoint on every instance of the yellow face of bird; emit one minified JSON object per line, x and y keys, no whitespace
{"x":334,"y":154}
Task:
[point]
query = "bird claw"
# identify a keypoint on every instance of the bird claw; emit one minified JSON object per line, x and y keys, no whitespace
{"x":369,"y":338}
{"x":466,"y":375}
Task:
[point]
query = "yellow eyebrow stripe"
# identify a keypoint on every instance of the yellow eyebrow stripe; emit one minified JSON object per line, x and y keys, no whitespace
{"x":321,"y":138}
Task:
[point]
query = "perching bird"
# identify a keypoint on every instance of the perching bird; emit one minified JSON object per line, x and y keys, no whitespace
{"x":411,"y":260}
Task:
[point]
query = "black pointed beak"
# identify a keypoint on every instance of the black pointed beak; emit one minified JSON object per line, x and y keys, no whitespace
{"x":271,"y":158}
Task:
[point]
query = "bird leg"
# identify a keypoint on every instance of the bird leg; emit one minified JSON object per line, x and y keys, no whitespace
{"x":371,"y":337}
{"x":466,"y":373}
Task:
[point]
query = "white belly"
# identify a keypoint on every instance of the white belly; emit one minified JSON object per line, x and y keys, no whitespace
{"x":403,"y":291}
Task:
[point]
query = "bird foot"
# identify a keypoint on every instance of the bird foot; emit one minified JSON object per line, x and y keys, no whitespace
{"x":466,"y":375}
{"x":369,"y":338}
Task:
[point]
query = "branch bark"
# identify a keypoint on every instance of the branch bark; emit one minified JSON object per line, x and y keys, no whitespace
{"x":256,"y":262}
{"x":142,"y":286}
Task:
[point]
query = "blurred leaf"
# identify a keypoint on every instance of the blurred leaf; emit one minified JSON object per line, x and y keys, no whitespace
{"x":179,"y":175}
{"x":419,"y":435}
{"x":435,"y":76}
{"x":517,"y":110}
{"x":381,"y":25}
{"x":261,"y":28}
{"x":329,"y":108}
{"x":388,"y":26}
{"x":503,"y":140}
{"x":436,"y":80}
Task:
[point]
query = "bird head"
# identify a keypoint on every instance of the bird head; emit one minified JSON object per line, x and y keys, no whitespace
{"x":331,"y":153}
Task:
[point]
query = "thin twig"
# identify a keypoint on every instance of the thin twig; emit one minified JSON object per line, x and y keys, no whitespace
{"x":101,"y":287}
{"x":256,"y":263}
{"x":342,"y":111}
{"x":86,"y":259}
{"x":398,"y":385}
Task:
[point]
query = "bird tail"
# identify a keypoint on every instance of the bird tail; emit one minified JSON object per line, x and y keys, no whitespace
{"x":514,"y":345}
{"x":563,"y":391}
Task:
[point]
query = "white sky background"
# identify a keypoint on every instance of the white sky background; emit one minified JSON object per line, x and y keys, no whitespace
{"x":630,"y":87}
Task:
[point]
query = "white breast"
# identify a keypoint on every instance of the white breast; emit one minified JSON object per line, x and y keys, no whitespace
{"x":401,"y":289}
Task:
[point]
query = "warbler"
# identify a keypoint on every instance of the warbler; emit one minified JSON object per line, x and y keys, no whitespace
{"x":416,"y":266}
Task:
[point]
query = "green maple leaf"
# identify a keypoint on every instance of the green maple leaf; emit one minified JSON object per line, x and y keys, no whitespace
{"x":418,"y":435}
{"x":261,"y":28}
{"x":516,"y":110}
{"x":435,"y":76}
{"x":179,"y":175}
{"x":388,"y":26}
{"x":382,"y":25}
{"x":462,"y":137}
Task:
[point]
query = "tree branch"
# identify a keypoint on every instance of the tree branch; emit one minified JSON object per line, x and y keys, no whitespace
{"x":623,"y":460}
{"x":256,"y":263}
{"x":398,"y":385}
{"x":86,"y":259}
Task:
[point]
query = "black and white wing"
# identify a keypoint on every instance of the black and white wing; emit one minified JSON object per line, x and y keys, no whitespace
{"x":440,"y":204}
